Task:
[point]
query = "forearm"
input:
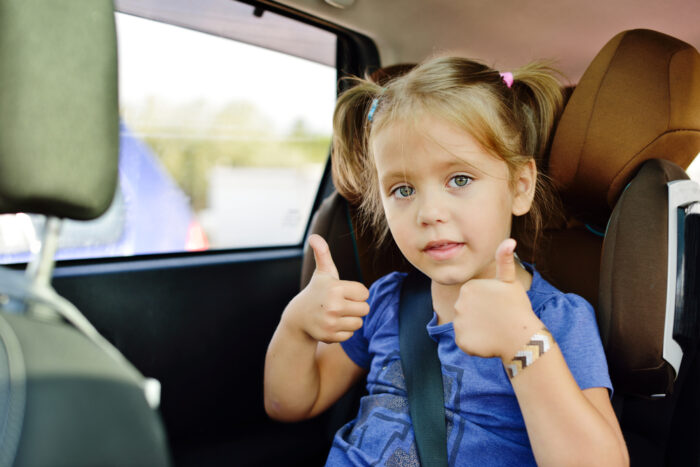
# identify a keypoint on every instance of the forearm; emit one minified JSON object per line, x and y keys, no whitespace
{"x":291,"y":374}
{"x":303,"y":375}
{"x":564,"y":427}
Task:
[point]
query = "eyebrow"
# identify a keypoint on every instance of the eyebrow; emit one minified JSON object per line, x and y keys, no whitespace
{"x":393,"y":177}
{"x":405,"y":174}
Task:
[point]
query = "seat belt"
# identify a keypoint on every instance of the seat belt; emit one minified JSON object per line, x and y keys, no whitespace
{"x":422,"y":370}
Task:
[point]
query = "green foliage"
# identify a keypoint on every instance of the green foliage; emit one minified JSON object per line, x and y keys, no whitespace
{"x":191,"y":139}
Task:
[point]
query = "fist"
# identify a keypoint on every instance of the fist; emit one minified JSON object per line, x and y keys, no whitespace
{"x":328,"y":309}
{"x":493,"y":317}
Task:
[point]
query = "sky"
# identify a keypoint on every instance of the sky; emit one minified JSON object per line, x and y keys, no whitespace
{"x":181,"y":66}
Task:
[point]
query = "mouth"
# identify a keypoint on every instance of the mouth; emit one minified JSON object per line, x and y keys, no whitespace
{"x":443,"y":249}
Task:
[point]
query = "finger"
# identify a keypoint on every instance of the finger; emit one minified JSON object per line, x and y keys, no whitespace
{"x":351,"y":308}
{"x":349,"y":324}
{"x":341,"y":336}
{"x":322,"y":255}
{"x":505,"y":262}
{"x":353,"y":290}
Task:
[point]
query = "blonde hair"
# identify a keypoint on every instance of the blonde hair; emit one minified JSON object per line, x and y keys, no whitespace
{"x":512,"y":123}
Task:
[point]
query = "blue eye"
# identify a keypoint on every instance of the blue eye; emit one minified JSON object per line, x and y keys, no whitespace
{"x":403,"y":191}
{"x":460,"y":181}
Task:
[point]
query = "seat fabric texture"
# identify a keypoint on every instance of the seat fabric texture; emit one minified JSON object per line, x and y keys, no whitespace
{"x":638,"y":100}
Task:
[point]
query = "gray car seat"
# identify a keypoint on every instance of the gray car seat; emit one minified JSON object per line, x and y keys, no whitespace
{"x":67,"y":396}
{"x":628,"y":131}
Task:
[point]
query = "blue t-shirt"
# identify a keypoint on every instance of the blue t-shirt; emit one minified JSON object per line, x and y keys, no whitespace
{"x":484,"y":422}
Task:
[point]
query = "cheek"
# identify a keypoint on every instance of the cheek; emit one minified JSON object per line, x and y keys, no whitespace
{"x":490,"y":215}
{"x":391,"y":213}
{"x":390,"y":216}
{"x":399,"y":225}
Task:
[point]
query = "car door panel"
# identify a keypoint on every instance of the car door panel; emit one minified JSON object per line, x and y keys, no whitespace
{"x":201,"y":325}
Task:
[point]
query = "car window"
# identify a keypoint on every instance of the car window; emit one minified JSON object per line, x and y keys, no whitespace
{"x":222,"y":141}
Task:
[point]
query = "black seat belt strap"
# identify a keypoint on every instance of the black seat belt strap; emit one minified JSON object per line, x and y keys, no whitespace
{"x":422,"y":371}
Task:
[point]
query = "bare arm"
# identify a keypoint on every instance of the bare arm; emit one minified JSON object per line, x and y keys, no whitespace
{"x":306,"y":369}
{"x":302,"y":385}
{"x":567,"y":426}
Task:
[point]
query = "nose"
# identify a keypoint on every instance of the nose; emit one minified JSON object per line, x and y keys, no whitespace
{"x":431,"y":209}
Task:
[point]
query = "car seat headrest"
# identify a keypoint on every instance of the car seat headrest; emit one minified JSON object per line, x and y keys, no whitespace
{"x":59,"y":116}
{"x":637,"y":100}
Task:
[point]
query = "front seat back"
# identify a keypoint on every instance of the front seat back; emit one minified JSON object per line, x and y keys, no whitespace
{"x":67,"y":396}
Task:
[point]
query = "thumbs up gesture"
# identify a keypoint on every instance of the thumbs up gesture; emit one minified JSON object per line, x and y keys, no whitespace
{"x":328,"y":309}
{"x":494,"y":317}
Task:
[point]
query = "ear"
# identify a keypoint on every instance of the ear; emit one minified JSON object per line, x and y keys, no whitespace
{"x":524,"y":188}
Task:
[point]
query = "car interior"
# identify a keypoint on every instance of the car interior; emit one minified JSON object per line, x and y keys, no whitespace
{"x":196,"y":324}
{"x":63,"y":383}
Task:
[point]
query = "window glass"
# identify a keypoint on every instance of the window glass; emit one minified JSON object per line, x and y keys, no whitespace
{"x":222,"y":144}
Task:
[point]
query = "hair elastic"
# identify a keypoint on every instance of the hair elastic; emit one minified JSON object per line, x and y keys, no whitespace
{"x":372,"y":109}
{"x":507,"y":78}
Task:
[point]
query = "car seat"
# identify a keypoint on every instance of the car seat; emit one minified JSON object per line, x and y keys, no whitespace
{"x":631,"y":126}
{"x":67,"y":396}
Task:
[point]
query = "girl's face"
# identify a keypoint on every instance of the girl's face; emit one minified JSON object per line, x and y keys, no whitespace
{"x":448,"y":202}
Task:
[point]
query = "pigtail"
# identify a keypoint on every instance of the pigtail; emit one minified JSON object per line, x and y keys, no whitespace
{"x":350,"y":126}
{"x":537,"y":89}
{"x":540,"y":101}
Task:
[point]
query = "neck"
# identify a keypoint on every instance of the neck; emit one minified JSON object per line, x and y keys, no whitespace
{"x":445,"y":296}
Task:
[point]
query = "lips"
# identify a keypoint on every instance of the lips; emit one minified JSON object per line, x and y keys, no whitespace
{"x":441,"y":250}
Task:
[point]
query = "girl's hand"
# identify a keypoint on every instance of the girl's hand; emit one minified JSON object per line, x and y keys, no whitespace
{"x":328,"y":309}
{"x":494,"y":317}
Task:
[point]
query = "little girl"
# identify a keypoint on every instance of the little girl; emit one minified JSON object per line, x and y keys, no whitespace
{"x":450,"y":149}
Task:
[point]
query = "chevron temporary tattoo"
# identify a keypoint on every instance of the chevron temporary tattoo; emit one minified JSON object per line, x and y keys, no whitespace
{"x":540,"y":342}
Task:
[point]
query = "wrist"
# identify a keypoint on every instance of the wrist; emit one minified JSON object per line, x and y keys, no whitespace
{"x":539,"y":343}
{"x":292,"y":322}
{"x":518,"y":335}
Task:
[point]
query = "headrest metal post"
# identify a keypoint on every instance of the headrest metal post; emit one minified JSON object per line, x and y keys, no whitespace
{"x":40,"y":267}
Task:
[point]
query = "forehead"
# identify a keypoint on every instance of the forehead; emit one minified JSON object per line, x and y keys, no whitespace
{"x":418,"y":144}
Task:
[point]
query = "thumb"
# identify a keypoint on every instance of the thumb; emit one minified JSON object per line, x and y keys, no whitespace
{"x":322,"y":255}
{"x":505,"y":263}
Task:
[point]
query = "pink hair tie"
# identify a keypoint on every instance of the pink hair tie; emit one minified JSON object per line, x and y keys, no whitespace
{"x":507,"y":78}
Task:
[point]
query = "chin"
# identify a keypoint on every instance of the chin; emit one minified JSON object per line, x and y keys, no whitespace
{"x":448,"y":277}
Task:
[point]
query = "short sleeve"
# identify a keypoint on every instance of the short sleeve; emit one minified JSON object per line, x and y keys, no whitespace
{"x":571,"y":320}
{"x":357,"y":348}
{"x":382,"y":295}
